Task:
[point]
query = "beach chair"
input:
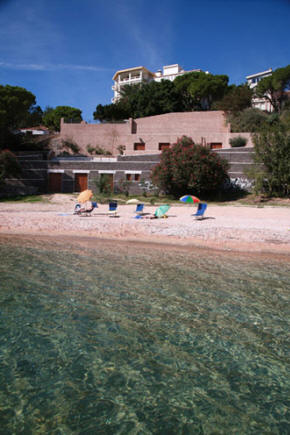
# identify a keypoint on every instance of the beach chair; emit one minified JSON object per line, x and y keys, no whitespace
{"x":202,"y":206}
{"x":113,"y":205}
{"x":139,"y":209}
{"x":85,"y":211}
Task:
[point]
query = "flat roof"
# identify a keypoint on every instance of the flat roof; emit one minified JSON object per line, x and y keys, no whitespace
{"x":268,"y":71}
{"x":132,"y":69}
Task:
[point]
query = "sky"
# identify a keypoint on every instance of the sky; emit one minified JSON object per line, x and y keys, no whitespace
{"x":66,"y":51}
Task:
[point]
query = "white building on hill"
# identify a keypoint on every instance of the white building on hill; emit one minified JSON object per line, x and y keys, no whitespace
{"x":253,"y":80}
{"x":140,"y":74}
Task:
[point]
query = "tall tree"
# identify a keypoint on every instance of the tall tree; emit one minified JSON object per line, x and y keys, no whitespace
{"x":16,"y":105}
{"x":273,"y":87}
{"x":142,"y":100}
{"x":112,"y":112}
{"x":236,"y":99}
{"x":52,"y":117}
{"x":200,"y":90}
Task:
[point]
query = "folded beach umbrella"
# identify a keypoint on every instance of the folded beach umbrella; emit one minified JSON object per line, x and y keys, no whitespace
{"x":160,"y":211}
{"x":85,"y":196}
{"x":189,"y":199}
{"x":133,"y":201}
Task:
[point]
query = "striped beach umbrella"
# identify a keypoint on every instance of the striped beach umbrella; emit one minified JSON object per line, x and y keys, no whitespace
{"x":189,"y":199}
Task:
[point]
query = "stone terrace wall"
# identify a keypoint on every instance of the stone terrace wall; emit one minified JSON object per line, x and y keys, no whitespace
{"x":35,"y":171}
{"x":203,"y":127}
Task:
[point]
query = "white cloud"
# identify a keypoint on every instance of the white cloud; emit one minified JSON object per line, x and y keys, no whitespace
{"x":51,"y":67}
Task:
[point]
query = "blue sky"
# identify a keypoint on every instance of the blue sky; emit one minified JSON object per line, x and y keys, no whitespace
{"x":66,"y":52}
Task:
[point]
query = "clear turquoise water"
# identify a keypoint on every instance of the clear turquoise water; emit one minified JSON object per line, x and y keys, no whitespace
{"x":113,"y":339}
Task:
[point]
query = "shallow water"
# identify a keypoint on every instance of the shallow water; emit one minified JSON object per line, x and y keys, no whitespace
{"x":119,"y":339}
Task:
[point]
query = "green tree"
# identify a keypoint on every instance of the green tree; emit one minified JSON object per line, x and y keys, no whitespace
{"x":35,"y":117}
{"x":189,"y":168}
{"x":155,"y":98}
{"x":248,"y":120}
{"x":16,"y":105}
{"x":9,"y":166}
{"x":273,"y":87}
{"x":272,"y":158}
{"x":52,"y":117}
{"x":147,"y":99}
{"x":236,"y":99}
{"x":199,"y":90}
{"x":17,"y":109}
{"x":112,"y":112}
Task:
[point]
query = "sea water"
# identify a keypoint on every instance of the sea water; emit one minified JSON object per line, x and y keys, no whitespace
{"x":111,"y":338}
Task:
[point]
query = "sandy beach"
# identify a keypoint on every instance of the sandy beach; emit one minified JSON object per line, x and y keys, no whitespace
{"x":245,"y":229}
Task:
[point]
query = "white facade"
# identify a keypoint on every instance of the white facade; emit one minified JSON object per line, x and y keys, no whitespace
{"x":253,"y":80}
{"x":170,"y":72}
{"x":140,"y":74}
{"x":130,"y":76}
{"x":35,"y":131}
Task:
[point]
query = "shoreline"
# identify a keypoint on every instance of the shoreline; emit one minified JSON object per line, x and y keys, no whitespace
{"x":243,"y":230}
{"x":90,"y":241}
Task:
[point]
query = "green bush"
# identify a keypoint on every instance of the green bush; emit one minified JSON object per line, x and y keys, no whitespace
{"x":272,"y":158}
{"x":9,"y":165}
{"x":238,"y":141}
{"x":97,"y":150}
{"x":250,"y":120}
{"x":73,"y":147}
{"x":103,"y":184}
{"x":189,"y":168}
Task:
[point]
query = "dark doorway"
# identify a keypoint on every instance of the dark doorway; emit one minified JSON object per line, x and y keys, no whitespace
{"x":55,"y":182}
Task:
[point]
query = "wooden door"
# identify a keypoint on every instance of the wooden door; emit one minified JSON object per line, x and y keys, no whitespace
{"x":54,"y":182}
{"x":81,"y":182}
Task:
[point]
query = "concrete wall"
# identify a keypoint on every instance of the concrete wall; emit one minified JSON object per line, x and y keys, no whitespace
{"x":203,"y":127}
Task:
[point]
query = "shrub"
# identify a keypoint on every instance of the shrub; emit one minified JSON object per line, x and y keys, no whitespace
{"x":103,"y":184}
{"x":250,"y":120}
{"x":101,"y":151}
{"x":9,"y":166}
{"x":272,"y":157}
{"x":238,"y":141}
{"x":97,"y":150}
{"x":189,"y":168}
{"x":124,"y":186}
{"x":121,"y":149}
{"x":90,"y":149}
{"x":73,"y":147}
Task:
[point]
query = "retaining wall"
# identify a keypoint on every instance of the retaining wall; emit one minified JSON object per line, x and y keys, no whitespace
{"x":208,"y":128}
{"x":35,"y":172}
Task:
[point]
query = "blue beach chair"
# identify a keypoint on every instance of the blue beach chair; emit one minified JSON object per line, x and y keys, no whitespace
{"x":113,"y":205}
{"x":202,"y":206}
{"x":139,"y":209}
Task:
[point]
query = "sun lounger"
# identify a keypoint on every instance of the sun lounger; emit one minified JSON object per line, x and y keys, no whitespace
{"x":202,"y":206}
{"x":85,"y":211}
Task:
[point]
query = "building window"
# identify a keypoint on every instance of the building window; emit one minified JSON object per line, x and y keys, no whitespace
{"x":128,"y":177}
{"x":139,"y":146}
{"x":137,"y":177}
{"x":215,"y":145}
{"x":163,"y":146}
